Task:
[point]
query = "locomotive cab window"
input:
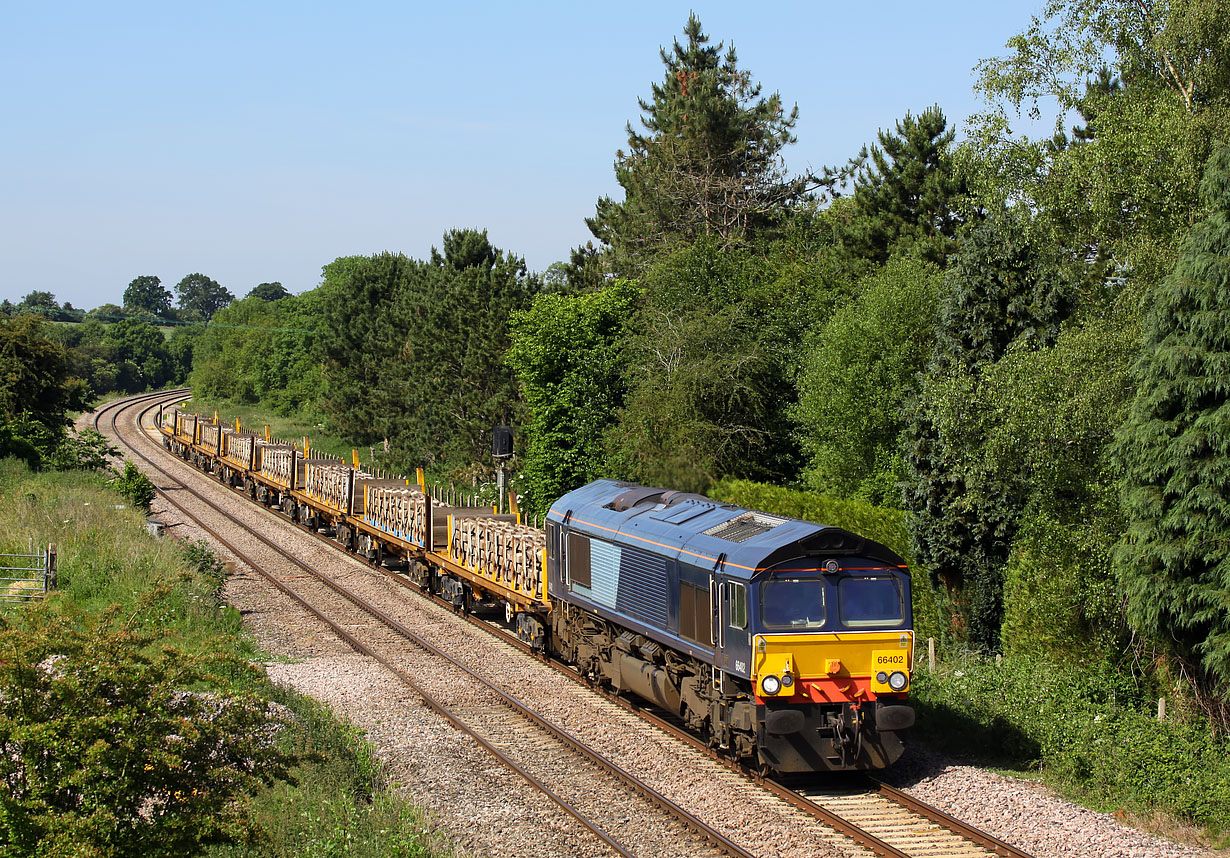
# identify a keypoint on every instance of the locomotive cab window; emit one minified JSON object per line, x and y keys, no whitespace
{"x":871,"y":601}
{"x":553,"y":540}
{"x":792,"y":604}
{"x":736,"y":604}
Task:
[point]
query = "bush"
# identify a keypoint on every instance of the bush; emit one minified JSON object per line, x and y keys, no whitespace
{"x":1089,"y":730}
{"x":105,"y":752}
{"x":135,"y":486}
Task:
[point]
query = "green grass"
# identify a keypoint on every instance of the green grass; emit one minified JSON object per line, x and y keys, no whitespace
{"x":339,"y":803}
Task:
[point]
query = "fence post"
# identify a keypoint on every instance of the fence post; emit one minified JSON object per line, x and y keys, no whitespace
{"x":931,"y":654}
{"x":1161,"y":708}
{"x":49,"y":573}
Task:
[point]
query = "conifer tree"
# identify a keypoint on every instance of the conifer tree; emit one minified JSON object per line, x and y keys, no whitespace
{"x":905,"y":192}
{"x":708,"y":164}
{"x":1174,"y":450}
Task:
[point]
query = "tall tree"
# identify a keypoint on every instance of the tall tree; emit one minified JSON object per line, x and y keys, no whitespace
{"x":37,"y":389}
{"x":1005,"y":283}
{"x":708,"y":164}
{"x":708,"y":375}
{"x":861,"y":369}
{"x":906,"y":192}
{"x":359,"y":342}
{"x":1003,"y":289}
{"x":1174,"y":449}
{"x":140,"y":353}
{"x":201,"y":296}
{"x":147,"y":295}
{"x":1131,"y":193}
{"x":454,"y":318}
{"x":568,"y":353}
{"x":40,"y":302}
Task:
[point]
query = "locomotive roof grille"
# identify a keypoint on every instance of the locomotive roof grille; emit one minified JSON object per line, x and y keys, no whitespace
{"x":743,"y":527}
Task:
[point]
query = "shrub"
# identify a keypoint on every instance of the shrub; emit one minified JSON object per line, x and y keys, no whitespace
{"x":104,"y":752}
{"x":1089,"y":729}
{"x":135,"y":486}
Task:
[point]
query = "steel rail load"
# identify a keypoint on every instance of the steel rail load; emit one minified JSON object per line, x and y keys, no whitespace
{"x":789,"y":644}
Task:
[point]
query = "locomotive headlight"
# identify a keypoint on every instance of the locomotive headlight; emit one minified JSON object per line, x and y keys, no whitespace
{"x":771,"y":684}
{"x":897,"y":680}
{"x":787,"y":680}
{"x":882,"y":678}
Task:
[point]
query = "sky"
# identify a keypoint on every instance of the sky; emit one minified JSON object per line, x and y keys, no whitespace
{"x":259,"y":141}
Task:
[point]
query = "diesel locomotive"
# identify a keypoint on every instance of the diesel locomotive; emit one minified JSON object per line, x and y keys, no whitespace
{"x":788,"y":644}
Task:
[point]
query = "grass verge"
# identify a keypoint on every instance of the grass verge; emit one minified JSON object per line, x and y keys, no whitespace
{"x":336,"y":801}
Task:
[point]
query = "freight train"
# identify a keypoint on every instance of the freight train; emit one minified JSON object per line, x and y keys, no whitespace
{"x":786,"y":643}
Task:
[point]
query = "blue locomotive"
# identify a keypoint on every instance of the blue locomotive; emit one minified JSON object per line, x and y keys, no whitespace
{"x":787,"y":642}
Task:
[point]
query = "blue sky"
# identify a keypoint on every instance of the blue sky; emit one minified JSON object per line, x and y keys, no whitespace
{"x":260,"y":141}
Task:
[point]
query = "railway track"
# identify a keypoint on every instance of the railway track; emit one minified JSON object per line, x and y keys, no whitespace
{"x":546,"y":756}
{"x":875,"y":816}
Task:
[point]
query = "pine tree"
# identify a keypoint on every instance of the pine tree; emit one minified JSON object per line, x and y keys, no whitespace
{"x":709,"y":163}
{"x":1174,"y":450}
{"x":905,"y":192}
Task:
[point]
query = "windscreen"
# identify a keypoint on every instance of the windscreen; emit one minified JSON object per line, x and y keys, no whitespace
{"x":792,"y":603}
{"x":870,"y":601}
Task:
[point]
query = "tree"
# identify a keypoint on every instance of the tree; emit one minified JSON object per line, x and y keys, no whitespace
{"x":34,"y":375}
{"x":201,"y":296}
{"x":906,"y":193}
{"x":861,"y":369}
{"x":568,"y":354}
{"x":274,"y":291}
{"x":709,"y":165}
{"x":1174,"y":451}
{"x":140,"y":351}
{"x":40,"y":303}
{"x":359,"y":344}
{"x":1131,"y":192}
{"x":146,"y":295}
{"x":708,"y":373}
{"x":260,"y":351}
{"x":108,"y":311}
{"x":454,"y":316}
{"x":1006,"y":283}
{"x":1004,"y":289}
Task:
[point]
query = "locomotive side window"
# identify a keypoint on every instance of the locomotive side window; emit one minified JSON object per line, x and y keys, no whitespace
{"x":553,"y":541}
{"x":578,"y":561}
{"x":870,"y":601}
{"x":792,"y":604}
{"x":695,"y":614}
{"x":736,"y":604}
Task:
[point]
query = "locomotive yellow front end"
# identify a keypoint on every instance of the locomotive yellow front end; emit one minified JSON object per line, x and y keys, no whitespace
{"x":832,"y":701}
{"x":831,"y":673}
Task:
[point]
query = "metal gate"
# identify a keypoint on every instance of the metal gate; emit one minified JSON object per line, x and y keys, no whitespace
{"x":25,"y":577}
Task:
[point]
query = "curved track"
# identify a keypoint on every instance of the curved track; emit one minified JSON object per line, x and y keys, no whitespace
{"x":877,"y":817}
{"x":521,"y":747}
